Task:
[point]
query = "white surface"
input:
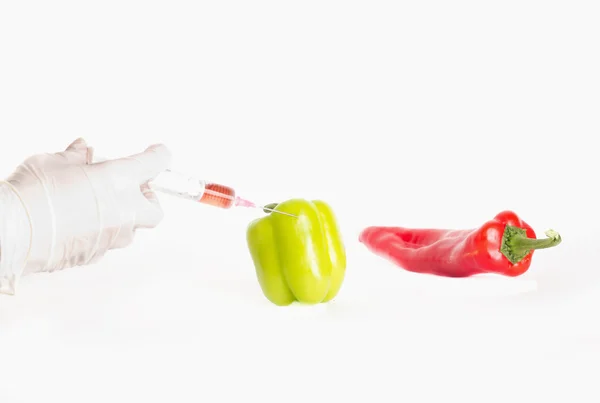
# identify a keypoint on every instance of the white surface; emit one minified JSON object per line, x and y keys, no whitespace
{"x":421,"y":114}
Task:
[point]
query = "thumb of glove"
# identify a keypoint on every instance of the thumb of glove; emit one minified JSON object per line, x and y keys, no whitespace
{"x":78,"y":152}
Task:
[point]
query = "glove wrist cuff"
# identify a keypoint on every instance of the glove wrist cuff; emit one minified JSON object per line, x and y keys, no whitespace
{"x":34,"y":199}
{"x":15,"y":237}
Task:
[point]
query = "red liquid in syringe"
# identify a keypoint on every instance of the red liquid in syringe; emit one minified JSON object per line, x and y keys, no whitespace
{"x":222,"y":196}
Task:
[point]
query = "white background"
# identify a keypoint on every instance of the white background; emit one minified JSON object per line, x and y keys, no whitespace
{"x":425,"y":114}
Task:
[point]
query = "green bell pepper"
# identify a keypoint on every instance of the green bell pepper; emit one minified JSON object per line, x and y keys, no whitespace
{"x":298,"y":259}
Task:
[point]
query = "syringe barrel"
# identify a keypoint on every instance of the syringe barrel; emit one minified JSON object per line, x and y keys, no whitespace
{"x":179,"y":185}
{"x":191,"y":188}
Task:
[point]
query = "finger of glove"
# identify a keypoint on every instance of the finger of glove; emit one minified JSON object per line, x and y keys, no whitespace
{"x":149,"y":211}
{"x":154,"y":160}
{"x":77,"y":152}
{"x":144,"y":166}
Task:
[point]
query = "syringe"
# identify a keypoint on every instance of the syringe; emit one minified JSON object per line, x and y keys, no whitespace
{"x":201,"y":191}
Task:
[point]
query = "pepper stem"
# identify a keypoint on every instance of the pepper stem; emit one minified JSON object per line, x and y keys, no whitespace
{"x":270,"y":207}
{"x":516,"y":245}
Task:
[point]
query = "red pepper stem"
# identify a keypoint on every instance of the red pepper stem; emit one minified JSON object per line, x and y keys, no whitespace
{"x":516,"y":245}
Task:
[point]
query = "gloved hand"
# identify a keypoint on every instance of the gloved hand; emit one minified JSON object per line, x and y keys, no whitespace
{"x":62,"y":210}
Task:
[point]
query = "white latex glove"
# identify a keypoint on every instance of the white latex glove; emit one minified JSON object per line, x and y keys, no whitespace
{"x":61,"y":210}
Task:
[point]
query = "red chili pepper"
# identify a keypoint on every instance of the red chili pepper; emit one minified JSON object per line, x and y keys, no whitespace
{"x":503,"y":245}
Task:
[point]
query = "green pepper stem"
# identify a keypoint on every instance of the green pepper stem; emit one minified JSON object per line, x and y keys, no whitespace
{"x":516,"y":245}
{"x":267,"y":209}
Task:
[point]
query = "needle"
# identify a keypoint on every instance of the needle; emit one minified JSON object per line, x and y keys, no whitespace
{"x":277,"y":211}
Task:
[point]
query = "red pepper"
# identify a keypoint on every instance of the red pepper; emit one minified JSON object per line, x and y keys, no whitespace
{"x":503,"y":246}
